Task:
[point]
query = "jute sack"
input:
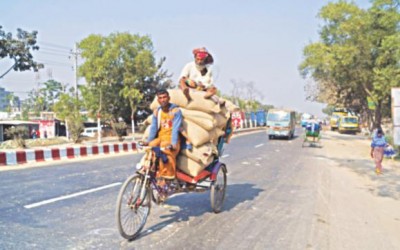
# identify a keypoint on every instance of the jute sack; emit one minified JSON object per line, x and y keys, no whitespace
{"x":196,"y":134}
{"x":177,"y":97}
{"x":146,"y":133}
{"x":216,"y":132}
{"x":202,"y":119}
{"x":202,"y":154}
{"x":220,"y":120}
{"x":230,"y":106}
{"x":189,"y":166}
{"x":148,"y":120}
{"x":198,"y":102}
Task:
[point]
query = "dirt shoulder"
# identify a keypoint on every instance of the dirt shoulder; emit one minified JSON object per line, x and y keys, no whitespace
{"x":360,"y":210}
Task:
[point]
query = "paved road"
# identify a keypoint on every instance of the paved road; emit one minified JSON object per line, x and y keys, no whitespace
{"x":270,"y":204}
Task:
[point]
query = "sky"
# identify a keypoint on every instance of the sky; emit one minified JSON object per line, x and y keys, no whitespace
{"x":259,"y":41}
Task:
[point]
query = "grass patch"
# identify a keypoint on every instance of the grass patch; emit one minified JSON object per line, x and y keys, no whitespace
{"x":31,"y":143}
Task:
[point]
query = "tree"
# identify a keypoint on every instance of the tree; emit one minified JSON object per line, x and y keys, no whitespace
{"x":356,"y":57}
{"x":67,"y":109}
{"x":52,"y":90}
{"x":19,"y":50}
{"x":119,"y":69}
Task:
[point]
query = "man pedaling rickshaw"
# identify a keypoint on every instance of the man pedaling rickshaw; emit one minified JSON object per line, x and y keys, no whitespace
{"x":164,"y":132}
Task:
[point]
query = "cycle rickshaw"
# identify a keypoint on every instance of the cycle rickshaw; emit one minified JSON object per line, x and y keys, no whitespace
{"x":140,"y":190}
{"x":312,"y":136}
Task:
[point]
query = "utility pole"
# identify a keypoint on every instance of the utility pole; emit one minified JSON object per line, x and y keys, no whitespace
{"x":75,"y":53}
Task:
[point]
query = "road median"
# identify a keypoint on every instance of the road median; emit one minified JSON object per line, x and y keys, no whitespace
{"x":62,"y":152}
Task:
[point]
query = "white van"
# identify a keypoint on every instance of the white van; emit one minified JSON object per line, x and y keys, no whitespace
{"x":281,"y":123}
{"x":89,"y":132}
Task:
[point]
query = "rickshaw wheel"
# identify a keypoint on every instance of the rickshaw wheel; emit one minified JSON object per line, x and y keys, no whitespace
{"x":132,"y":209}
{"x":218,"y":190}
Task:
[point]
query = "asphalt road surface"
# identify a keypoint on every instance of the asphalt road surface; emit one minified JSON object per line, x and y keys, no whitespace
{"x":272,"y":202}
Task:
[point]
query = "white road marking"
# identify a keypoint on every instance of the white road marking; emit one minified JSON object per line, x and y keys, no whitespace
{"x":64,"y":197}
{"x":245,"y":163}
{"x":259,"y":145}
{"x":224,"y":156}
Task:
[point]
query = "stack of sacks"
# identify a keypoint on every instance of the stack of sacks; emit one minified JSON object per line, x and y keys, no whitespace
{"x":203,"y":123}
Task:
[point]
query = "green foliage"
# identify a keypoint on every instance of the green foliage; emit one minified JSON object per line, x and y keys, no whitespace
{"x":75,"y":126}
{"x":18,"y":134}
{"x":357,"y":56}
{"x":67,"y":109}
{"x":121,"y":72}
{"x":328,"y":109}
{"x":44,"y":98}
{"x":19,"y":50}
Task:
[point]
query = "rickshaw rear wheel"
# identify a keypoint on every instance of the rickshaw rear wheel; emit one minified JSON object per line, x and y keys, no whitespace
{"x":218,"y":190}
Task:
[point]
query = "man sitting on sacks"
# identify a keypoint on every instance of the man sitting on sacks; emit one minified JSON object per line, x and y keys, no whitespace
{"x":197,"y":75}
{"x":164,"y":132}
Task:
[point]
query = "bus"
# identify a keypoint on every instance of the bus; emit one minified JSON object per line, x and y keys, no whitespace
{"x":281,"y":123}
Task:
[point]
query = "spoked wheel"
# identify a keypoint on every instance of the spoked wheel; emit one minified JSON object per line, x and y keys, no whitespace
{"x":133,"y":206}
{"x":218,"y":189}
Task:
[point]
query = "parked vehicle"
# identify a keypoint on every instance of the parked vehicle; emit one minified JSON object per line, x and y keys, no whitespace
{"x":349,"y":124}
{"x":281,"y":123}
{"x":336,"y":114}
{"x":90,"y":132}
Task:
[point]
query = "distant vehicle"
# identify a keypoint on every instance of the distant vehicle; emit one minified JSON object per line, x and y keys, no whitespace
{"x":281,"y":123}
{"x":90,"y":132}
{"x":336,"y":114}
{"x":349,"y":124}
{"x":304,"y":119}
{"x":261,"y":118}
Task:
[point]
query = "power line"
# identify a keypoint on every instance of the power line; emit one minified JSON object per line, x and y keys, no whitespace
{"x":52,"y":53}
{"x":55,"y":45}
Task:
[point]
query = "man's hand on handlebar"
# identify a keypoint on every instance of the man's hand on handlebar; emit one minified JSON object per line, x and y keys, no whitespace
{"x":143,"y":143}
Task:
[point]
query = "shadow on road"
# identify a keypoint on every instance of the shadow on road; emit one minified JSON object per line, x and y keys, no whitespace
{"x":195,"y":205}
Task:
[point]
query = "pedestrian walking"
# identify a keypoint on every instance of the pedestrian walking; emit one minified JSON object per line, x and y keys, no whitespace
{"x":33,"y":134}
{"x":378,"y":145}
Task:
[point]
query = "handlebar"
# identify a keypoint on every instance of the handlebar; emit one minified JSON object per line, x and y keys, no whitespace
{"x":149,"y":148}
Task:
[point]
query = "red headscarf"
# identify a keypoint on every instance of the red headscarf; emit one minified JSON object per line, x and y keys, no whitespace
{"x":202,"y":53}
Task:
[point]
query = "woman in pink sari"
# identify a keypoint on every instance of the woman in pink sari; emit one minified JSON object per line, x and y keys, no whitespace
{"x":378,"y":145}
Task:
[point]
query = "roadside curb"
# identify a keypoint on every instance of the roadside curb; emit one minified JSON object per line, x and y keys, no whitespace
{"x":52,"y":154}
{"x":23,"y":156}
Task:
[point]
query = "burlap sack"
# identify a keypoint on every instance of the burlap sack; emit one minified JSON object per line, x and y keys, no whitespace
{"x":220,"y":120}
{"x":189,"y":166}
{"x":202,"y":119}
{"x":198,"y":102}
{"x":148,"y":120}
{"x":216,"y":132}
{"x":203,"y":154}
{"x":230,"y":106}
{"x":146,"y":133}
{"x":177,"y":97}
{"x":196,"y":134}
